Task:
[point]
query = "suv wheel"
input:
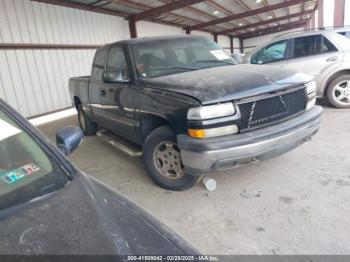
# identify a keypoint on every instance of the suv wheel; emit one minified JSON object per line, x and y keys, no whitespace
{"x":89,"y":128}
{"x":338,"y":92}
{"x":162,"y":160}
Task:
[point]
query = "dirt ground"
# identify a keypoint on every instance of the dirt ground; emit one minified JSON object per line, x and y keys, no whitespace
{"x":298,"y":203}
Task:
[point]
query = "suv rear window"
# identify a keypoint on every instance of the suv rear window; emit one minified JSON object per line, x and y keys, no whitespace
{"x":312,"y":45}
{"x":307,"y":45}
{"x":327,"y":46}
{"x":346,"y":34}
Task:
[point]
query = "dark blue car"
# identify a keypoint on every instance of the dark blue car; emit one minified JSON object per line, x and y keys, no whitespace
{"x":48,"y":206}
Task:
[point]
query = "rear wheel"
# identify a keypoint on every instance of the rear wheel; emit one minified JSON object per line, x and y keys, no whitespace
{"x":89,"y":128}
{"x":338,"y":92}
{"x":162,"y":160}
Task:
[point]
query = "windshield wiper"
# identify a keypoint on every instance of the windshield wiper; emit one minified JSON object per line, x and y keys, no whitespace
{"x":213,"y":61}
{"x":172,"y":67}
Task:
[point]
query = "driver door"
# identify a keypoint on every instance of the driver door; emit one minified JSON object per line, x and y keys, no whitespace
{"x":119,"y":114}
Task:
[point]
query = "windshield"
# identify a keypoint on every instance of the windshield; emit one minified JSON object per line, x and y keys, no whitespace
{"x":26,"y":171}
{"x":171,"y":56}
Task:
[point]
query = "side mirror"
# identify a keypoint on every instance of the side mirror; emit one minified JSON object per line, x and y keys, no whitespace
{"x":68,"y":139}
{"x":113,"y":76}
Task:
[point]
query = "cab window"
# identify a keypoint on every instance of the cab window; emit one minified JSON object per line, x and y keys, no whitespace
{"x":117,"y":61}
{"x":98,"y":64}
{"x":272,"y":53}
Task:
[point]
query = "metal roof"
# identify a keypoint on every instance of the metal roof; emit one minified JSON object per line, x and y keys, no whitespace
{"x":221,"y":17}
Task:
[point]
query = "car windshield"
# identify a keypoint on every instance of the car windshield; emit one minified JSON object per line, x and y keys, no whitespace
{"x":171,"y":56}
{"x":26,"y":171}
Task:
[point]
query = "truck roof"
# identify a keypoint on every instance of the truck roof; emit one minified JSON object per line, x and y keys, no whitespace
{"x":153,"y":38}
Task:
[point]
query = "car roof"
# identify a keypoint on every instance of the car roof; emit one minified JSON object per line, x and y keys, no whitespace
{"x":310,"y":32}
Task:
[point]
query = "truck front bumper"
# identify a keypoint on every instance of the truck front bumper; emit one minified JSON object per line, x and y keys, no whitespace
{"x":205,"y":155}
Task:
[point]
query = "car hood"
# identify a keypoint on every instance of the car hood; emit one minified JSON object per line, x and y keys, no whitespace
{"x":86,"y":217}
{"x":225,"y":83}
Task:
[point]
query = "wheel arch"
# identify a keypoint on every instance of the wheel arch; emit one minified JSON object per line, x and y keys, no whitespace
{"x":332,"y":77}
{"x":152,"y":122}
{"x":77,"y":102}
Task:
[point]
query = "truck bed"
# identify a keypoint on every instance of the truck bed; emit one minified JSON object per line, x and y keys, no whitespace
{"x":79,"y":86}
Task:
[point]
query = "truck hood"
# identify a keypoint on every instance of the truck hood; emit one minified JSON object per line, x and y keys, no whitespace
{"x":225,"y":83}
{"x":86,"y":217}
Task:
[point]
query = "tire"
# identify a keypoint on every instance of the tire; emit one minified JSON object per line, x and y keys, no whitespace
{"x":162,"y":161}
{"x":89,"y":128}
{"x":338,"y":92}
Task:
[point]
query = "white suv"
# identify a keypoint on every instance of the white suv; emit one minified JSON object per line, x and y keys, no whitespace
{"x":325,"y":54}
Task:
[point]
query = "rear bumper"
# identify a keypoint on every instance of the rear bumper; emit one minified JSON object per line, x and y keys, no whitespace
{"x":205,"y":155}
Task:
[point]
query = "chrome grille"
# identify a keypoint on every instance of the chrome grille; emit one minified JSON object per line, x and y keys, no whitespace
{"x":272,"y":109}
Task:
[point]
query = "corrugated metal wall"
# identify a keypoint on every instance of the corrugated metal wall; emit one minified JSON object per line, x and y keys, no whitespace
{"x":35,"y":81}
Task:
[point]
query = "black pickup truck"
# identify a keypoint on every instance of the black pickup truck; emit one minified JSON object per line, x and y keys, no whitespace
{"x":190,"y":109}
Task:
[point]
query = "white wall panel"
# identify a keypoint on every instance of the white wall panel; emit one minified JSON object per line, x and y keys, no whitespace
{"x":347,"y":12}
{"x":23,"y":21}
{"x":328,"y":12}
{"x":236,"y":45}
{"x":145,"y":28}
{"x":36,"y":81}
{"x":224,"y":41}
{"x":201,"y":33}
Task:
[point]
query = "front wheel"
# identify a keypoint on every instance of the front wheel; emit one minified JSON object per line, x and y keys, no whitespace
{"x":338,"y":92}
{"x":162,"y":160}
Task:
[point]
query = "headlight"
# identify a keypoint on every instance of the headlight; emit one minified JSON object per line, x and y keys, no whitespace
{"x":310,"y":87}
{"x":213,"y":111}
{"x":311,"y":94}
{"x":311,"y":103}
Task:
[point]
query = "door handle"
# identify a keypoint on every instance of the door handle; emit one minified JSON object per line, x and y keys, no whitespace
{"x":103,"y":92}
{"x":332,"y":59}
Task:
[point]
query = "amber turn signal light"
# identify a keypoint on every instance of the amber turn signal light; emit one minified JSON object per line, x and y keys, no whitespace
{"x":196,"y":133}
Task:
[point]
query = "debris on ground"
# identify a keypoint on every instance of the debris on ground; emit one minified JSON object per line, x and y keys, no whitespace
{"x":209,"y":183}
{"x":260,"y":229}
{"x":251,"y":194}
{"x":126,"y":183}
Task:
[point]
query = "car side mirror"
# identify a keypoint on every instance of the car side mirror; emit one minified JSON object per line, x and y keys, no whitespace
{"x":68,"y":139}
{"x":113,"y":76}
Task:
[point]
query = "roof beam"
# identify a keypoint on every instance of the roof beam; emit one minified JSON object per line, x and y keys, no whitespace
{"x":222,"y":9}
{"x":273,"y":29}
{"x":197,"y":12}
{"x":245,"y":14}
{"x":75,"y":5}
{"x":265,"y":22}
{"x":165,"y":8}
{"x":246,"y":8}
{"x":143,"y":7}
{"x":106,"y":11}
